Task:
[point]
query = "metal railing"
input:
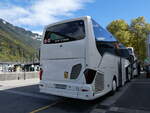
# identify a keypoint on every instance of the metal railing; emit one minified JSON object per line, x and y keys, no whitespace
{"x":17,"y":75}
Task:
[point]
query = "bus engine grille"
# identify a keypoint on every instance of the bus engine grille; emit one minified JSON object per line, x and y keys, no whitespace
{"x":99,"y":82}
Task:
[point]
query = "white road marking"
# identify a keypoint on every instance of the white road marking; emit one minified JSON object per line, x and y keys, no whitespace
{"x":140,"y":82}
{"x":99,"y":111}
{"x":112,"y":99}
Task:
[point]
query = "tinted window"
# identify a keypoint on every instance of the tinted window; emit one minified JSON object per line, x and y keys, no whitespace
{"x":124,"y":53}
{"x":105,"y":47}
{"x":65,"y":32}
{"x":104,"y":40}
{"x":101,"y":34}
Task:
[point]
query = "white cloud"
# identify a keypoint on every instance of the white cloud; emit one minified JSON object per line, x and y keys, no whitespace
{"x":40,"y":12}
{"x":13,"y":12}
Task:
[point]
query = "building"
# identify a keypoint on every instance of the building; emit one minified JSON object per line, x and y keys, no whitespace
{"x":6,"y":66}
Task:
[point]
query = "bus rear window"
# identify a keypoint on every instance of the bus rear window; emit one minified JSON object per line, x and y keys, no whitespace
{"x":65,"y":32}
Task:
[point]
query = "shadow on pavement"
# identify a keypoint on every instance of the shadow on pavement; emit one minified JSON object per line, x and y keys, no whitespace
{"x":28,"y":98}
{"x":137,"y":96}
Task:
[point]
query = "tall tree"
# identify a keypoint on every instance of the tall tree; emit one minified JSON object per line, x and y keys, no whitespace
{"x":134,"y":35}
{"x":139,"y":29}
{"x":120,"y":29}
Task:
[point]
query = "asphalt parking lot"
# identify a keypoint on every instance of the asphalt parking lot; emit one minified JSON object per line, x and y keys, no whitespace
{"x":134,"y":97}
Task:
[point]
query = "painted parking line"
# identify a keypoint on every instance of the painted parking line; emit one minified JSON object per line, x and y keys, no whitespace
{"x":43,"y":108}
{"x":141,"y":82}
{"x":112,"y":99}
{"x":119,"y":110}
{"x":127,"y":110}
{"x":99,"y":111}
{"x":106,"y":104}
{"x":48,"y":106}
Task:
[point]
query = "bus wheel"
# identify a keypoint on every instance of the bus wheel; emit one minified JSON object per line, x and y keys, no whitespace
{"x":114,"y":86}
{"x":129,"y":77}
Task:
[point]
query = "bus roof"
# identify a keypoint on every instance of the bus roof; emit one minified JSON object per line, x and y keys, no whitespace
{"x":69,"y":20}
{"x":108,"y":36}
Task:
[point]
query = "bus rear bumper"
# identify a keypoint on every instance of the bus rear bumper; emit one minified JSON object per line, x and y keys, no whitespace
{"x":77,"y":94}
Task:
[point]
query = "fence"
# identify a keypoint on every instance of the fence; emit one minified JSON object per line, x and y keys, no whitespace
{"x":17,"y":75}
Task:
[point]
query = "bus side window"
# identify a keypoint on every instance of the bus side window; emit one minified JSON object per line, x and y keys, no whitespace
{"x":122,"y":53}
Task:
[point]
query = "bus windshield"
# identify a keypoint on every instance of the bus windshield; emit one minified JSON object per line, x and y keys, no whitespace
{"x":102,"y":34}
{"x":65,"y":32}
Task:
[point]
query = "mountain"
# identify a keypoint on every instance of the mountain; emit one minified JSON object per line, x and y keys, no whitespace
{"x":16,"y":43}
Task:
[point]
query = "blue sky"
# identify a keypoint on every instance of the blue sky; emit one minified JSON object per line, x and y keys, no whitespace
{"x":34,"y":14}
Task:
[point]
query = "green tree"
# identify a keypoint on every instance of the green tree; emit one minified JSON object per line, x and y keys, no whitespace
{"x":120,"y":29}
{"x":139,"y":29}
{"x":134,"y":35}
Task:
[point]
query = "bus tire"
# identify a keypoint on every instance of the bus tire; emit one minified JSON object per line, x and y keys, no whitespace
{"x":129,"y":77}
{"x":114,"y":86}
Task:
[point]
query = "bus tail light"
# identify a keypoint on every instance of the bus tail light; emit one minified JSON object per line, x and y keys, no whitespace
{"x":89,"y":75}
{"x":40,"y":74}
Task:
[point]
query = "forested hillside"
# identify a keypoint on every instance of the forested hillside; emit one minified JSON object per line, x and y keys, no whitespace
{"x":17,"y":44}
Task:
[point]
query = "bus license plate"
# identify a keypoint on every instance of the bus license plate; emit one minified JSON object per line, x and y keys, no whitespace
{"x":60,"y":86}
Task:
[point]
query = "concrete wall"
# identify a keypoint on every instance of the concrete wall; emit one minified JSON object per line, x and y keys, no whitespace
{"x":18,"y":75}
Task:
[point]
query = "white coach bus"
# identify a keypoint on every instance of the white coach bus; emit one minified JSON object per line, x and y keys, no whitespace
{"x":80,"y":59}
